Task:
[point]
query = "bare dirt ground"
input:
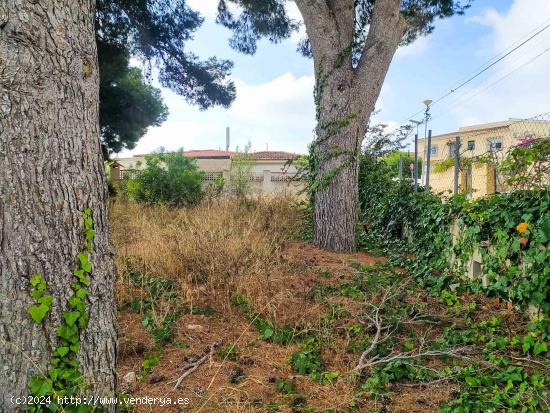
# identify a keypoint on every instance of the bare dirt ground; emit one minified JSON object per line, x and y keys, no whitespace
{"x":247,"y":382}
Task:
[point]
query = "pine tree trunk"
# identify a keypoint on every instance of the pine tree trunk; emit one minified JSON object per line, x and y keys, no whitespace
{"x":51,"y":169}
{"x":346,"y":95}
{"x":336,"y":152}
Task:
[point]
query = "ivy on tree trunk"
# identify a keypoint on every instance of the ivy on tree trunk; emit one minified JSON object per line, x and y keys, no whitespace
{"x":345,"y":98}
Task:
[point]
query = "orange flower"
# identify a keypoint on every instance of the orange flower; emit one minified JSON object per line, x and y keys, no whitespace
{"x":522,"y":227}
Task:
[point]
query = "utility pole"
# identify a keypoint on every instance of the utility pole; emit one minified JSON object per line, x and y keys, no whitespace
{"x":427,"y":103}
{"x":457,"y":164}
{"x":415,"y":166}
{"x":428,"y":157}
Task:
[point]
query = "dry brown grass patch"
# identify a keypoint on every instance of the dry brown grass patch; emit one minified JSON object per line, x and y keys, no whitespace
{"x":212,"y":250}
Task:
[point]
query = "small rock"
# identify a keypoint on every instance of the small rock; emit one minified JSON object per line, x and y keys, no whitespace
{"x":130,"y":378}
{"x":194,"y":327}
{"x":157,"y":379}
{"x":236,"y":376}
{"x":191,"y":359}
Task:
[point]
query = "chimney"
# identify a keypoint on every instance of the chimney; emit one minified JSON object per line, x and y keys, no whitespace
{"x":227,"y":138}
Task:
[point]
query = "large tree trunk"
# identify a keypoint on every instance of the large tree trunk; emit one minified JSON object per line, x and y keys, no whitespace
{"x":345,"y":98}
{"x":51,"y":169}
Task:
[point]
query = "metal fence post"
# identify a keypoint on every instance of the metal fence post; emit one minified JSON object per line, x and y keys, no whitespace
{"x":428,"y":156}
{"x":415,"y":167}
{"x":457,"y":164}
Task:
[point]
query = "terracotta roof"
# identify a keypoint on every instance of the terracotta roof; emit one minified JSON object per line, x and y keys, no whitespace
{"x":217,"y":154}
{"x":275,"y":155}
{"x":208,"y":153}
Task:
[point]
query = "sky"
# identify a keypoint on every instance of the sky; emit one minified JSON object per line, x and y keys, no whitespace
{"x":274,"y":107}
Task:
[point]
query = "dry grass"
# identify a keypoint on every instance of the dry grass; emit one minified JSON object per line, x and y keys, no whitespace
{"x":211,"y":251}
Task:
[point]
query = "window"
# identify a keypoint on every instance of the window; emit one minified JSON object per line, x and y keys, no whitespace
{"x":433,"y":150}
{"x":471,"y":145}
{"x":495,"y":144}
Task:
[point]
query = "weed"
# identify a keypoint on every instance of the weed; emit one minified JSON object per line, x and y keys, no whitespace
{"x":285,"y":387}
{"x":229,"y":352}
{"x":150,"y":361}
{"x":308,"y":360}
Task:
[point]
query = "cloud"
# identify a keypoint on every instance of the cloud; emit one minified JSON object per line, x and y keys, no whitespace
{"x":279,"y":113}
{"x":516,"y":86}
{"x":208,"y":8}
{"x":416,"y":48}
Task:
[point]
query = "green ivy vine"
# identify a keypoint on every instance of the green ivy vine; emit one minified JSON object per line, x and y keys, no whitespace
{"x":511,"y":232}
{"x":318,"y":180}
{"x":63,"y":379}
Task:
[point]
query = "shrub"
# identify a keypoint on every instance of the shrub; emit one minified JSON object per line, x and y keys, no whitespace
{"x":168,"y":178}
{"x":241,"y":173}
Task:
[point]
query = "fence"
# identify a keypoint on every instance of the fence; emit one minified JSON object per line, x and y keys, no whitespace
{"x":266,"y":182}
{"x":479,"y":160}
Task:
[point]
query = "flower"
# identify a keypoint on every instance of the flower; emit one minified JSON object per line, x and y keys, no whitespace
{"x":522,"y":227}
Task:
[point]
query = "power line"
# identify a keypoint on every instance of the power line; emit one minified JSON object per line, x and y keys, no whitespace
{"x":483,"y":70}
{"x":491,"y":65}
{"x":468,"y":98}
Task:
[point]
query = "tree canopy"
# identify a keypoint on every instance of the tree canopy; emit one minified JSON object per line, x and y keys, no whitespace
{"x":256,"y":19}
{"x":154,"y":32}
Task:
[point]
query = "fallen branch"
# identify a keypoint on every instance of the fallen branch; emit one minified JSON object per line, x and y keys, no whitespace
{"x":459,"y":352}
{"x":191,"y":367}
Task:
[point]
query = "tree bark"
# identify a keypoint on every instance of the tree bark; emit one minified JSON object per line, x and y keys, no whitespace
{"x":51,"y":169}
{"x":345,"y":98}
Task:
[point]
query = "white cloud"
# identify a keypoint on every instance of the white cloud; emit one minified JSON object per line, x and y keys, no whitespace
{"x":208,"y":8}
{"x":416,"y":48}
{"x":524,"y":88}
{"x":279,"y":113}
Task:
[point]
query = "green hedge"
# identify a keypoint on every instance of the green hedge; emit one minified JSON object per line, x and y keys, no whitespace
{"x":416,"y":226}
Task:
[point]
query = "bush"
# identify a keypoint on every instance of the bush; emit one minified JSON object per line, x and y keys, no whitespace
{"x":168,"y":178}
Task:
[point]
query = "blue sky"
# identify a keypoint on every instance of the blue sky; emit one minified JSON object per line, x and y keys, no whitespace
{"x":274,"y":106}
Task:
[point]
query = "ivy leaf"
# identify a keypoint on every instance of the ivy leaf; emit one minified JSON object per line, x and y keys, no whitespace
{"x":540,"y":347}
{"x":36,"y":280}
{"x":38,"y":312}
{"x":90,"y":234}
{"x":40,"y":386}
{"x":74,"y":301}
{"x":71,"y":317}
{"x":83,"y":321}
{"x":81,"y":294}
{"x":46,"y":300}
{"x":85,"y":263}
{"x":36,"y":294}
{"x":62,"y":351}
{"x":528,"y":342}
{"x":68,"y":333}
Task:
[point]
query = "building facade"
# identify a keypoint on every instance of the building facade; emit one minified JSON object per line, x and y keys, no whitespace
{"x":270,"y":171}
{"x":491,"y":140}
